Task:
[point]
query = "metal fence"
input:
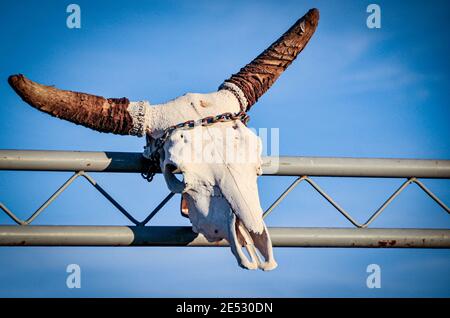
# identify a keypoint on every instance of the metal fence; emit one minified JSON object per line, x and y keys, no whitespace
{"x":305,"y":168}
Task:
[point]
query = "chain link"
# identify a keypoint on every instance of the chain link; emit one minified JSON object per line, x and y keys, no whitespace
{"x":158,"y":143}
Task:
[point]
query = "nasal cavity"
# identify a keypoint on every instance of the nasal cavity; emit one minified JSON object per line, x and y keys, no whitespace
{"x":184,"y":208}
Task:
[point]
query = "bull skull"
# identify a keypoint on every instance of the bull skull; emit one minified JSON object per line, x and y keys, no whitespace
{"x":219,"y":191}
{"x":219,"y":194}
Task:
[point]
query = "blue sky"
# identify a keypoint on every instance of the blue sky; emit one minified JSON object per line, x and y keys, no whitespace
{"x":353,"y":92}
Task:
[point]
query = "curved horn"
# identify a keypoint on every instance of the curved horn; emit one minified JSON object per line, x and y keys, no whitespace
{"x":254,"y":79}
{"x":112,"y":115}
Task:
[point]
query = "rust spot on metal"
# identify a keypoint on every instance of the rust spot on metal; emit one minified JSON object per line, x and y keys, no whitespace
{"x":387,"y":243}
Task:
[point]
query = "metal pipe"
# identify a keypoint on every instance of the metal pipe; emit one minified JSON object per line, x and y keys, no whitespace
{"x":359,"y":167}
{"x":72,"y":161}
{"x":281,"y":166}
{"x":183,"y":236}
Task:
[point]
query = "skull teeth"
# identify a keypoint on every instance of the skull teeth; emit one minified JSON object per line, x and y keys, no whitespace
{"x":241,"y":238}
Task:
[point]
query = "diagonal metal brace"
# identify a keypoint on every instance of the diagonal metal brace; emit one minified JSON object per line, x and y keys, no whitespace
{"x":375,"y":215}
{"x":102,"y":191}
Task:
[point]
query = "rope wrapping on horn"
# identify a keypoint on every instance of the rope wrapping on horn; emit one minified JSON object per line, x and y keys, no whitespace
{"x":237,"y":92}
{"x":138,"y":112}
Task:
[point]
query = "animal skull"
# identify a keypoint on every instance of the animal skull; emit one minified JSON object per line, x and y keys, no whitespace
{"x":219,"y":163}
{"x":219,"y":191}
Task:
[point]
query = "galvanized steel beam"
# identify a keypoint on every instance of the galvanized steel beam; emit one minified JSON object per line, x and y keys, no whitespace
{"x":281,"y":166}
{"x":183,"y":236}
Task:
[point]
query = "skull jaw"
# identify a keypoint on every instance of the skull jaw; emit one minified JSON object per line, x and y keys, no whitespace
{"x":239,"y":237}
{"x":232,"y":229}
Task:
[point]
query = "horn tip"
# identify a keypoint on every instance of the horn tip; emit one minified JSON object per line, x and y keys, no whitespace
{"x":313,"y":14}
{"x":13,"y":80}
{"x":14,"y":77}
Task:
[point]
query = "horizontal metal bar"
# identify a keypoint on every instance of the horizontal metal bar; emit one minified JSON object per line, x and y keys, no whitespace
{"x":361,"y":167}
{"x":97,"y":161}
{"x":183,"y":236}
{"x":282,"y":166}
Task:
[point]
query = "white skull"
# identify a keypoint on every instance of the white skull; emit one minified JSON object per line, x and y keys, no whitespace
{"x":220,"y":165}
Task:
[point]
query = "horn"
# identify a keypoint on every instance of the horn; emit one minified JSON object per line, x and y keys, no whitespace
{"x":254,"y":79}
{"x":112,"y":115}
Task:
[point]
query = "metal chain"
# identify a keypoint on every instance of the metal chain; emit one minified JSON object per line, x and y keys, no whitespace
{"x":154,"y":157}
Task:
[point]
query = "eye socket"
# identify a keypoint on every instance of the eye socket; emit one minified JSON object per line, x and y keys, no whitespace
{"x":175,"y":185}
{"x":171,"y":168}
